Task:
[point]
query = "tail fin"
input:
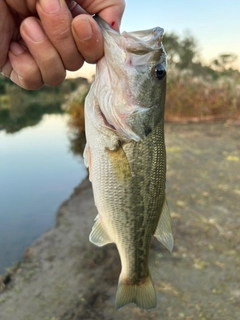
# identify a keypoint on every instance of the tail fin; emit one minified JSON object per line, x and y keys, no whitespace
{"x":143,"y":295}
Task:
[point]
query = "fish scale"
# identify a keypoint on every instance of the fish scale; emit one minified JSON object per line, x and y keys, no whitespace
{"x":125,"y":153}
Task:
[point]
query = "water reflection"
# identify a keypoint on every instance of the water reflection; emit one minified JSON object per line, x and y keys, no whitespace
{"x":20,"y":108}
{"x":19,"y":116}
{"x":38,"y":171}
{"x":77,"y":142}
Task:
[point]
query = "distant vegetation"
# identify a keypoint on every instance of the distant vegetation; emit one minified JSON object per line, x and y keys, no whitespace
{"x":20,"y":108}
{"x":198,"y":91}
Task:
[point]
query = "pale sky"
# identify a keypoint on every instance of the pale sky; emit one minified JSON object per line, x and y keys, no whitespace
{"x":214,"y":24}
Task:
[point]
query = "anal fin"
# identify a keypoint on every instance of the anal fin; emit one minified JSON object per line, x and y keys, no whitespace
{"x":98,"y":235}
{"x":163,"y":231}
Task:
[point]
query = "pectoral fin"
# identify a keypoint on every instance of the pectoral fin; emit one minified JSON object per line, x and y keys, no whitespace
{"x":163,"y":231}
{"x":98,"y":235}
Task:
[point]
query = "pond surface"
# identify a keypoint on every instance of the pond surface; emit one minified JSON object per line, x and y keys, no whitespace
{"x":37,"y":173}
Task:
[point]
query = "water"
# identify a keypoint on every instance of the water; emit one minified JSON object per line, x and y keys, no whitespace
{"x":37,"y":173}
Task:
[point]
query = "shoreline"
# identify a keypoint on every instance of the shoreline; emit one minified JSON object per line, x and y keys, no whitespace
{"x":43,"y":277}
{"x":65,"y":277}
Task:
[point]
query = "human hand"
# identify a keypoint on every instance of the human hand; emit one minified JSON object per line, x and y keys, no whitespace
{"x":41,"y":39}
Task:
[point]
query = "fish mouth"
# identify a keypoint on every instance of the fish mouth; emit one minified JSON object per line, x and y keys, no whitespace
{"x":145,"y":47}
{"x":143,"y":42}
{"x":146,"y":43}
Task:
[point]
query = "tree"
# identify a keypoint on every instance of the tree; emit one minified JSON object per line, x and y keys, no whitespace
{"x":224,"y":62}
{"x":181,"y":53}
{"x":188,"y":53}
{"x":171,"y":44}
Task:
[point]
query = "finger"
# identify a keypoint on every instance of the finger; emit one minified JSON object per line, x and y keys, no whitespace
{"x":88,"y":37}
{"x":43,"y":52}
{"x":22,"y":69}
{"x":75,"y":8}
{"x":25,"y":8}
{"x":6,"y":32}
{"x":56,"y":20}
{"x":109,"y":10}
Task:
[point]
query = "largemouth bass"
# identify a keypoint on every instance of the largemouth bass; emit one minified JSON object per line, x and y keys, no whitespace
{"x":125,"y":153}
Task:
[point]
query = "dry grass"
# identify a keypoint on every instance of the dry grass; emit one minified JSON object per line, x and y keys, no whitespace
{"x":188,"y":98}
{"x":197,"y":98}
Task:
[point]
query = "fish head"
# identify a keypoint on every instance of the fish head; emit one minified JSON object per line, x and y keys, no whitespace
{"x":133,"y":78}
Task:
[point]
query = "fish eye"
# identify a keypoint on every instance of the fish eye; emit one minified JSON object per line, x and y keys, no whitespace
{"x":160,"y":71}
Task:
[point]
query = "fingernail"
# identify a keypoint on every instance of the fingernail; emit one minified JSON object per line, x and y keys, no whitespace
{"x":83,"y":29}
{"x":34,"y":30}
{"x":16,"y":48}
{"x":50,"y":6}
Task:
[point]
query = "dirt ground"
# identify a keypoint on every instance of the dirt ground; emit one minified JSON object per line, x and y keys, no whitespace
{"x":65,"y":277}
